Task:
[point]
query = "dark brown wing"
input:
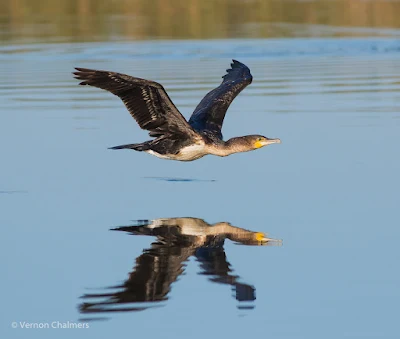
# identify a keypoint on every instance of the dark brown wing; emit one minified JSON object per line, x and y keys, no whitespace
{"x":147,"y":101}
{"x":210,"y":113}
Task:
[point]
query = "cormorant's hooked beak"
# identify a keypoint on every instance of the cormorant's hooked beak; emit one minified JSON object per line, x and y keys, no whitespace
{"x":272,"y":141}
{"x":265,"y":142}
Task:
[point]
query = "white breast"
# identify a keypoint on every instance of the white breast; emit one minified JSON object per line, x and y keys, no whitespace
{"x":191,"y":152}
{"x":187,"y":153}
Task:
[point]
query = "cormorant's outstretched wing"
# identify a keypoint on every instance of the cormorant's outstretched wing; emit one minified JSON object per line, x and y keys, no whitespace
{"x":214,"y":264}
{"x":210,"y":113}
{"x":150,"y":281}
{"x":147,"y":101}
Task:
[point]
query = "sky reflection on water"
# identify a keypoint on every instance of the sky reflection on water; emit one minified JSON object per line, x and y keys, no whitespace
{"x":330,"y":190}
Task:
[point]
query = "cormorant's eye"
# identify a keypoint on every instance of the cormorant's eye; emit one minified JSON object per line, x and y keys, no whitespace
{"x":260,"y":139}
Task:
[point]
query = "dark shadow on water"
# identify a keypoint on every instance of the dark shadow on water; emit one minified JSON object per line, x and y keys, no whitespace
{"x":177,"y":239}
{"x":170,"y":179}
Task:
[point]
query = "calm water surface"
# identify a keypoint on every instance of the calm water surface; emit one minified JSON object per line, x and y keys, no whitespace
{"x":330,"y":191}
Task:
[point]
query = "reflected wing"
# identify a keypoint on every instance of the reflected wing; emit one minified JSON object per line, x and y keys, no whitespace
{"x":214,"y":264}
{"x":210,"y":113}
{"x":150,"y":281}
{"x":147,"y":101}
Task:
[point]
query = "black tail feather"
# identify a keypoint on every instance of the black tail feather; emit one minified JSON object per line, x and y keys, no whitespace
{"x":136,"y":147}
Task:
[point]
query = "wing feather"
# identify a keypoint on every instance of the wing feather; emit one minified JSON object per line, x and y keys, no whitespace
{"x":210,"y":113}
{"x":147,"y":101}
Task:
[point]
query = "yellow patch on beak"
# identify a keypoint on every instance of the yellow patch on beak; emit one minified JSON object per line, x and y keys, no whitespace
{"x":260,"y":236}
{"x":259,"y":144}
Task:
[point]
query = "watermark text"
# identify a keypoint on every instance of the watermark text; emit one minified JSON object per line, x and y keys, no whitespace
{"x":49,"y":325}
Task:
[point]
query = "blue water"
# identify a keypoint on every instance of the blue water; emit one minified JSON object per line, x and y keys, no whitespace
{"x":330,"y":191}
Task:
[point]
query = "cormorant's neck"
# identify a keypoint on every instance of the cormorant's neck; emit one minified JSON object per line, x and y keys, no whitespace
{"x":233,"y":145}
{"x":238,"y":144}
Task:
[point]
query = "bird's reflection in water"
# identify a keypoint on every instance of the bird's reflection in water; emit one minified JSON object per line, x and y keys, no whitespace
{"x":159,"y":266}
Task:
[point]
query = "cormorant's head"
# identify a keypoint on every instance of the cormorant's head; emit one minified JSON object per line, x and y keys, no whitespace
{"x":258,"y":141}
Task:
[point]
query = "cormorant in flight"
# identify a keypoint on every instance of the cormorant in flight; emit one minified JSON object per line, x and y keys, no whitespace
{"x":174,"y":137}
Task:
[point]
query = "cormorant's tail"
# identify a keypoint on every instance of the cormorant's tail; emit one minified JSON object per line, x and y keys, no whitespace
{"x":137,"y":147}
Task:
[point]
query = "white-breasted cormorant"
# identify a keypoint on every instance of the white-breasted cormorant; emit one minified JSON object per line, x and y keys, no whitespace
{"x":175,"y":138}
